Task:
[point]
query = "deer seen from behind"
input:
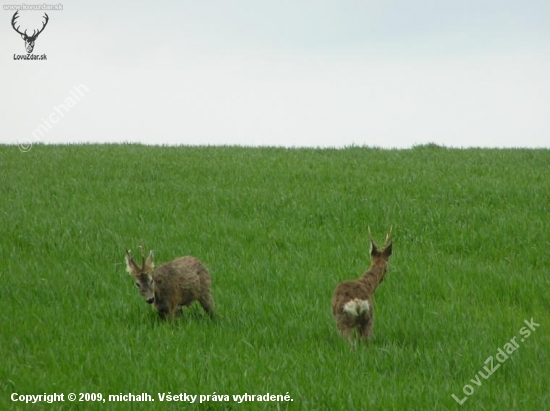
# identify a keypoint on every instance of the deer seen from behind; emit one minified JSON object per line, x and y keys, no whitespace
{"x":173,"y":285}
{"x":353,"y":300}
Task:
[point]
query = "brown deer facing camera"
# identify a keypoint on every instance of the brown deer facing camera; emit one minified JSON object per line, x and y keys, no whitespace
{"x":353,"y":300}
{"x":173,"y":285}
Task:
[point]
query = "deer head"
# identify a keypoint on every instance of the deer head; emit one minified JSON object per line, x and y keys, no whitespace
{"x":29,"y":40}
{"x":143,"y":275}
{"x":380,"y":256}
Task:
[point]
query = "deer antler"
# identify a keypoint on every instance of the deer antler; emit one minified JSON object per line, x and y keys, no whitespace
{"x":388,"y":236}
{"x":34,"y":33}
{"x":141,"y":247}
{"x":15,"y":16}
{"x":43,"y":26}
{"x":371,"y":237}
{"x":128,"y":253}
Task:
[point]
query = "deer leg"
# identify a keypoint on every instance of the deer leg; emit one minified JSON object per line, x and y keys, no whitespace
{"x":345,"y":331}
{"x":207,"y":303}
{"x":173,"y":311}
{"x":366,"y":330}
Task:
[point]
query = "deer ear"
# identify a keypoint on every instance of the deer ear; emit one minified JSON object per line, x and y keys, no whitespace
{"x":373,"y":248}
{"x":388,"y":243}
{"x":131,"y":266}
{"x":23,"y":36}
{"x":388,"y":249}
{"x":150,"y":263}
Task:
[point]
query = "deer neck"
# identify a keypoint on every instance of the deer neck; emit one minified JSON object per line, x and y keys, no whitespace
{"x":373,"y":276}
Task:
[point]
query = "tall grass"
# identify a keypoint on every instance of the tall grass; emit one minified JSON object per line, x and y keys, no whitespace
{"x":278,"y":230}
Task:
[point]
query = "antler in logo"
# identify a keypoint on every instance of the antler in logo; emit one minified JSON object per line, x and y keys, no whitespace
{"x":29,"y":40}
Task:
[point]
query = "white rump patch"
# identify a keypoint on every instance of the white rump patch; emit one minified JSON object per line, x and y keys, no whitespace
{"x":356,"y":307}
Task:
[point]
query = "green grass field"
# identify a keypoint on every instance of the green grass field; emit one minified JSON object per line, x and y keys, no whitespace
{"x":278,"y":230}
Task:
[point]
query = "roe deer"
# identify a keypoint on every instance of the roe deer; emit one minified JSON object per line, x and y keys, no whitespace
{"x":353,"y":300}
{"x":173,"y":285}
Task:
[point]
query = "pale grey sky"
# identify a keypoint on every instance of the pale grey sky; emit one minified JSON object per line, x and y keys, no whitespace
{"x":292,"y":73}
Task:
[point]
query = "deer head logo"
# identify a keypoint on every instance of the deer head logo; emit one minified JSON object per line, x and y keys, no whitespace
{"x":29,"y":40}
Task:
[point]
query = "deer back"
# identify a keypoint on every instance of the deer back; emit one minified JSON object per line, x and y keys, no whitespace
{"x":178,"y":283}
